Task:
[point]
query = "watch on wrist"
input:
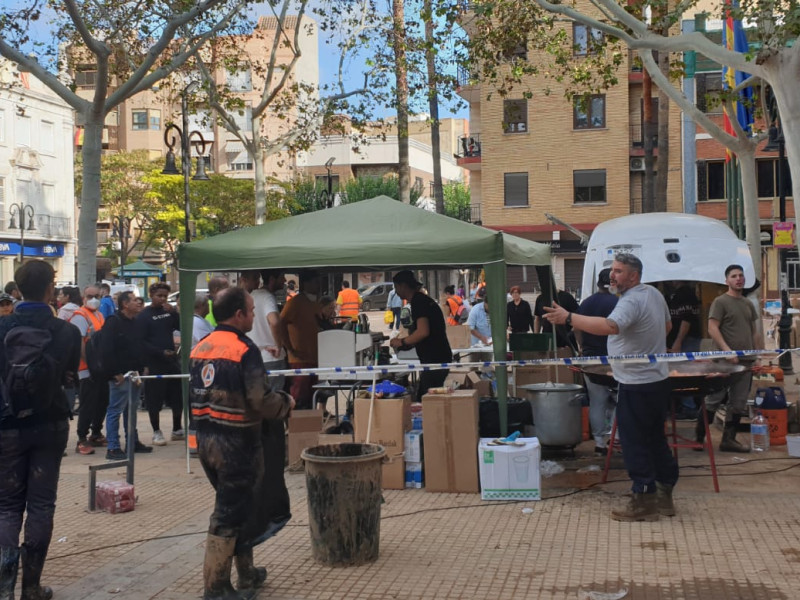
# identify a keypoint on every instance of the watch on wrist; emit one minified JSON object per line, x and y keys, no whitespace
{"x":568,"y":321}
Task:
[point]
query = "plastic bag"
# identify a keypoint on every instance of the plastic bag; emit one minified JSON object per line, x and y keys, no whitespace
{"x":388,"y":317}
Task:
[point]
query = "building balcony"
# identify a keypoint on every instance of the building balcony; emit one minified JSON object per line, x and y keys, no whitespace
{"x":637,"y":140}
{"x":470,"y":214}
{"x":468,"y":85}
{"x":45,"y":226}
{"x":635,"y":68}
{"x":470,"y":156}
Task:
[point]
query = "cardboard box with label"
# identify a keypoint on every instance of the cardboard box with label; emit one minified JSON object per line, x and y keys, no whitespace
{"x":450,"y":426}
{"x":415,"y":475}
{"x":510,"y":472}
{"x":391,"y":419}
{"x":413,"y":446}
{"x":304,"y":428}
{"x":483,"y":386}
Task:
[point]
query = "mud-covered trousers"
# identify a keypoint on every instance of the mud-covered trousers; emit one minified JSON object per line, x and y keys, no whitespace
{"x":30,"y":460}
{"x":234,"y":464}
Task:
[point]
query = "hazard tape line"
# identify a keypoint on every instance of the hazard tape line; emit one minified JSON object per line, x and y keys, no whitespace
{"x":577,"y":361}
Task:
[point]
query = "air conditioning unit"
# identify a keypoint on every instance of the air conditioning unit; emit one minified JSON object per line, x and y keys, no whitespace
{"x":637,"y":164}
{"x":521,"y":127}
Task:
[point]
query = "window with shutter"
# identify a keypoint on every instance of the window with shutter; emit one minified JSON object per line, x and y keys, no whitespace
{"x":516,"y":189}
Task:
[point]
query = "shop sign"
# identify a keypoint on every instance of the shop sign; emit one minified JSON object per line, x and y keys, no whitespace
{"x":39,"y":249}
{"x":783,"y":235}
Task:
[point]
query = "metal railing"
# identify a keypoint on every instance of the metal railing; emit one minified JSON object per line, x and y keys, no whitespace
{"x":637,"y":136}
{"x":470,"y":214}
{"x":53,"y":226}
{"x":470,"y":145}
{"x":465,"y":77}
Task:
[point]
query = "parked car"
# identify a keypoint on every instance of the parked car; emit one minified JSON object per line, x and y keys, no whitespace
{"x":174,"y":297}
{"x":376,"y":295}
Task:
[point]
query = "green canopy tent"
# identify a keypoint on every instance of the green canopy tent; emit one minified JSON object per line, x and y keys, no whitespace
{"x":378,"y":234}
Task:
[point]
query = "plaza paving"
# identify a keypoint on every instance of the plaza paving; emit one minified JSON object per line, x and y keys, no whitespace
{"x":741,"y":543}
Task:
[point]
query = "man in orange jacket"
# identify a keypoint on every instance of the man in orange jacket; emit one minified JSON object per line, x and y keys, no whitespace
{"x":349,"y":301}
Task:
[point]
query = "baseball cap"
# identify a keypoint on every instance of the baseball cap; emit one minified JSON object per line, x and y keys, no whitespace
{"x":407,"y":278}
{"x":6,"y":297}
{"x":604,"y":279}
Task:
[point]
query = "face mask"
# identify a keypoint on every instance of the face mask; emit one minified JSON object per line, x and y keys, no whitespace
{"x":93,"y":303}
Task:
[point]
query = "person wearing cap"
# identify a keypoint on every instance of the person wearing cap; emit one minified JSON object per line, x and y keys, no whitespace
{"x":601,"y":399}
{"x":427,"y":331}
{"x":6,"y":304}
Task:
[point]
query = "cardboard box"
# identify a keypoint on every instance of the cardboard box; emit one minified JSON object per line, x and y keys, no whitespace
{"x":476,"y":382}
{"x":450,"y":426}
{"x":457,"y":379}
{"x":415,"y":475}
{"x":304,"y":428}
{"x":510,"y":472}
{"x":413,"y":446}
{"x":391,"y":419}
{"x":458,"y":336}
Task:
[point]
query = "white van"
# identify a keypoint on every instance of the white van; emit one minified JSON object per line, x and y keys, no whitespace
{"x":671,"y":246}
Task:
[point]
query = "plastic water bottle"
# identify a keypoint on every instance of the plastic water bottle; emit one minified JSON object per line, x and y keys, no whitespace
{"x":759,"y":433}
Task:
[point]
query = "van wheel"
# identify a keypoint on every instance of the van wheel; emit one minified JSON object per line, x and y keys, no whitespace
{"x":366,"y":306}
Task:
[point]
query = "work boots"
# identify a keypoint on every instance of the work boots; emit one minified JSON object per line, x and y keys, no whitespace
{"x":250,"y":576}
{"x":217,"y":570}
{"x":729,"y":443}
{"x":664,"y":503}
{"x":640,"y":507}
{"x":9,"y":563}
{"x":32,"y":565}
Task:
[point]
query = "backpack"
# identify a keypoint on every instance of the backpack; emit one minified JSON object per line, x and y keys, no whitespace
{"x":460,"y":314}
{"x":97,"y":363}
{"x":31,"y":379}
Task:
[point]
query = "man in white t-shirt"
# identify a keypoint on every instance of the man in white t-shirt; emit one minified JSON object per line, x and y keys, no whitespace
{"x":266,"y":326}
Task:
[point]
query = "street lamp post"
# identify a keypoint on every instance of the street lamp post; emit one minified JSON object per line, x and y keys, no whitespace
{"x":122,"y":226}
{"x":185,"y":136}
{"x":23,"y":211}
{"x":329,"y":168}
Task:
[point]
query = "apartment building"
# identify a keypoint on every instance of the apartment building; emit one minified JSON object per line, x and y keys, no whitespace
{"x":37,"y":204}
{"x":705,"y":185}
{"x":140,"y":122}
{"x":582,"y":162}
{"x":378,"y":156}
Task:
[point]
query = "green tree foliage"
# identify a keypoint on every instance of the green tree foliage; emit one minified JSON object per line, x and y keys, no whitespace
{"x":457,"y":200}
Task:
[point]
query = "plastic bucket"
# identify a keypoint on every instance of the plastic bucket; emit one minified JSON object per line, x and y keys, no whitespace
{"x":778,"y":420}
{"x":344,"y":502}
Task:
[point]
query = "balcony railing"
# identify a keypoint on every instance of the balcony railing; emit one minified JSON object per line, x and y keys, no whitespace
{"x":470,"y":145}
{"x":637,"y":137}
{"x":465,"y":77}
{"x":471,"y":214}
{"x":48,"y":225}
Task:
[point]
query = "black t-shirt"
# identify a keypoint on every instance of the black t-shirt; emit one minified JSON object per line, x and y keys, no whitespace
{"x":597,"y":305}
{"x":564,"y":300}
{"x":435,"y":348}
{"x":683,"y":306}
{"x":519,"y":316}
{"x":155,"y":327}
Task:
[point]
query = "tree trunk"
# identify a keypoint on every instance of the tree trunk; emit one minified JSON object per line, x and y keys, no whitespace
{"x":90,"y":199}
{"x":662,"y":174}
{"x":401,"y":98}
{"x":258,"y":172}
{"x":648,"y":133}
{"x":433,"y":102}
{"x":747,"y":168}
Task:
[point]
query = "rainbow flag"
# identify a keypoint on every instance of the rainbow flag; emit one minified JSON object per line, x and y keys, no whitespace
{"x":734,"y":39}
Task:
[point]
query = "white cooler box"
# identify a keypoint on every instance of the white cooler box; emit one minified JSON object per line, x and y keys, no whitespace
{"x":510,"y":472}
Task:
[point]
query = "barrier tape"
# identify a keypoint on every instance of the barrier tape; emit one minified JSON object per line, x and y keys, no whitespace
{"x":577,"y":361}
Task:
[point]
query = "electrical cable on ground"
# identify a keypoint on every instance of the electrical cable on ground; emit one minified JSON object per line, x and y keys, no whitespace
{"x":589,"y":487}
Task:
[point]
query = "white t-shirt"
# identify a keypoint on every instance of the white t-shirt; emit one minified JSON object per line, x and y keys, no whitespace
{"x":261,"y":334}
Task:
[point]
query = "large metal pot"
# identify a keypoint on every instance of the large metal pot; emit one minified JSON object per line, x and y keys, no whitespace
{"x":556,"y":412}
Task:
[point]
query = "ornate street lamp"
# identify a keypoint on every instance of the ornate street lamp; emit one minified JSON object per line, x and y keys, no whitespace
{"x":23,"y":211}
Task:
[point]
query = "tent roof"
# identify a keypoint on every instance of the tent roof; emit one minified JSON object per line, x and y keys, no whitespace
{"x":140,"y":265}
{"x":376,"y":234}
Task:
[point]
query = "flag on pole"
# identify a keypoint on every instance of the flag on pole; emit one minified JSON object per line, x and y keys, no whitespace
{"x":735,"y":40}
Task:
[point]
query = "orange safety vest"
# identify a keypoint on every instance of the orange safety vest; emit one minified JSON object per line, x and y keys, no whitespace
{"x":454,"y":303}
{"x":96,"y":321}
{"x":349,"y":301}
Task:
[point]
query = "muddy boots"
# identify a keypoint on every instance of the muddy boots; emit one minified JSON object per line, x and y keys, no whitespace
{"x":700,"y":429}
{"x":729,"y":443}
{"x":640,"y":507}
{"x":9,"y":563}
{"x":217,"y":570}
{"x":250,"y":576}
{"x":32,"y":565}
{"x":664,"y":503}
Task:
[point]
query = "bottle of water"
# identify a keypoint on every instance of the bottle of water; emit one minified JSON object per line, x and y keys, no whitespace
{"x":759,"y":433}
